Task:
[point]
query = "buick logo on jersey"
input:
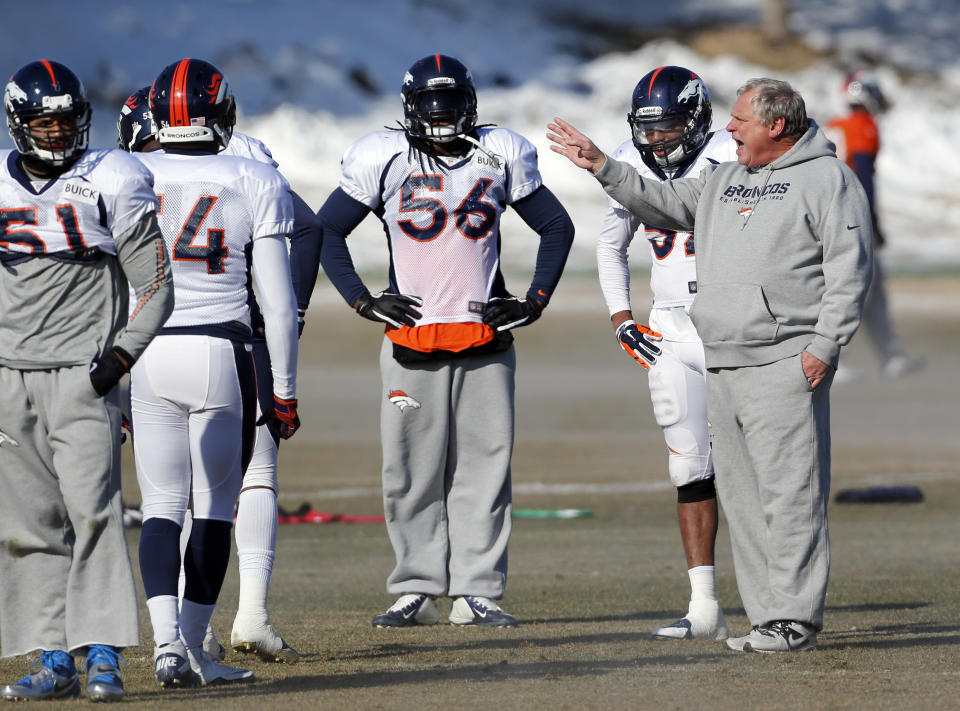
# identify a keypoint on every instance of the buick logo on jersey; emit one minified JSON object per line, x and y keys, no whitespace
{"x":402,"y":400}
{"x":80,"y":191}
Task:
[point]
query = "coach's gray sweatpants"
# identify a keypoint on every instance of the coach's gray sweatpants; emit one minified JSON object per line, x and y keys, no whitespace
{"x":447,"y":440}
{"x":770,"y":435}
{"x":65,"y":576}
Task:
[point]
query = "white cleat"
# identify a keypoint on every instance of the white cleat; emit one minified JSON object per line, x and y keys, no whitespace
{"x":209,"y":672}
{"x":261,"y":639}
{"x":704,"y":620}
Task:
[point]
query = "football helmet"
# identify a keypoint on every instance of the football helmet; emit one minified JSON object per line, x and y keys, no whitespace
{"x":670,"y":116}
{"x":439,"y":99}
{"x":863,"y":89}
{"x":135,"y":124}
{"x":191,"y":102}
{"x":45,"y":88}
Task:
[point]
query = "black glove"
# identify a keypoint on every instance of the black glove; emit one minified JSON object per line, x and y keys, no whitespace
{"x":504,"y":313}
{"x":282,"y":420}
{"x":394,"y":309}
{"x":106,"y":370}
{"x":639,"y":343}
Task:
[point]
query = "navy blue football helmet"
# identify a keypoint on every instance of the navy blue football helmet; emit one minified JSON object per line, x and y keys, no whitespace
{"x":135,"y":124}
{"x":670,"y":117}
{"x":191,"y":102}
{"x":40,"y":89}
{"x":439,"y":99}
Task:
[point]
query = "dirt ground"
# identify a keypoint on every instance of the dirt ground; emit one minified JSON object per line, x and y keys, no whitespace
{"x":589,"y":590}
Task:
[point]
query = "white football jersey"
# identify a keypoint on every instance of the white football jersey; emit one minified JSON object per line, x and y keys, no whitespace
{"x":212,"y":207}
{"x":442,"y":215}
{"x":673,"y":274}
{"x":105,"y":193}
{"x":245,"y":146}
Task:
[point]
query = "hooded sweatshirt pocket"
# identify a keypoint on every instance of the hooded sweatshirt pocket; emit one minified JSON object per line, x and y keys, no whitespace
{"x":735,"y":313}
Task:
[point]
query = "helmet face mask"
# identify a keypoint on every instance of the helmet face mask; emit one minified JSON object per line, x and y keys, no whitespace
{"x":439,"y":99}
{"x":191,"y":102}
{"x":670,"y":116}
{"x":47,"y":113}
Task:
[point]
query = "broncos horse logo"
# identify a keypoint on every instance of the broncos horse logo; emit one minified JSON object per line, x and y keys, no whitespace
{"x":402,"y":400}
{"x":693,"y":90}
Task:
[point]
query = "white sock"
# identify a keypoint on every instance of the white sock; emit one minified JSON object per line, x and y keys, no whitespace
{"x":194,"y":619}
{"x":256,"y":534}
{"x":163,"y":617}
{"x":703,"y":583}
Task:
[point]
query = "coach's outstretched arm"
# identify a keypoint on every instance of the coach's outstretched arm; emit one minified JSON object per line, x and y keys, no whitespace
{"x":671,"y":204}
{"x":339,"y":216}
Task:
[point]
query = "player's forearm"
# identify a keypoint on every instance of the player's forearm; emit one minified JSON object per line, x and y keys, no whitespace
{"x":612,"y":263}
{"x":144,"y":261}
{"x":339,"y":216}
{"x":547,"y":217}
{"x":305,"y":243}
{"x":271,"y":270}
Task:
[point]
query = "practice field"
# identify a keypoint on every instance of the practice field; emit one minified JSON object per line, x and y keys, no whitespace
{"x":589,"y":590}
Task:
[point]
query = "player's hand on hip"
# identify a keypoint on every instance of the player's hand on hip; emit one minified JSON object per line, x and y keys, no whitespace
{"x":506,"y":312}
{"x":640,"y":343}
{"x":814,"y":369}
{"x":107,"y":369}
{"x":394,"y":309}
{"x":569,"y":142}
{"x":282,"y":420}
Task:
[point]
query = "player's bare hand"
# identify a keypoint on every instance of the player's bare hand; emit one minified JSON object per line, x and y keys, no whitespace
{"x":569,"y":142}
{"x":814,"y":369}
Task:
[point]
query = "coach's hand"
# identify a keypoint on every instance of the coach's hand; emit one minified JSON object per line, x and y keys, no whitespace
{"x":639,"y":342}
{"x":506,"y":312}
{"x":282,"y":420}
{"x":107,"y":369}
{"x":394,"y":309}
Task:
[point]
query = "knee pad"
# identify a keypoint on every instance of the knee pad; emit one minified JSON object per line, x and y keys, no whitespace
{"x":702,"y":490}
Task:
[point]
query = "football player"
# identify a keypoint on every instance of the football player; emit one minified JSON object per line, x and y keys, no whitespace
{"x":256,"y":520}
{"x":193,"y":394}
{"x":76,"y":226}
{"x":671,"y":138}
{"x":439,"y":185}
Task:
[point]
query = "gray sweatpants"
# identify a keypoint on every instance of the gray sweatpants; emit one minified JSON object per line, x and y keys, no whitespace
{"x":446,"y":472}
{"x":770,"y":435}
{"x":65,"y":576}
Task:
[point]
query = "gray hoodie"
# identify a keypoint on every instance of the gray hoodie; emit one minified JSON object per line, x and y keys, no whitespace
{"x":784,"y":252}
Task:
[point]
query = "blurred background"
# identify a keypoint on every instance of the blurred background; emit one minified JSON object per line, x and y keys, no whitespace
{"x":310,"y":77}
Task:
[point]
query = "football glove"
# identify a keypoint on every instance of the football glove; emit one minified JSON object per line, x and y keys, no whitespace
{"x":108,"y":368}
{"x":394,"y":309}
{"x":506,"y":312}
{"x":282,"y":420}
{"x":639,"y":342}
